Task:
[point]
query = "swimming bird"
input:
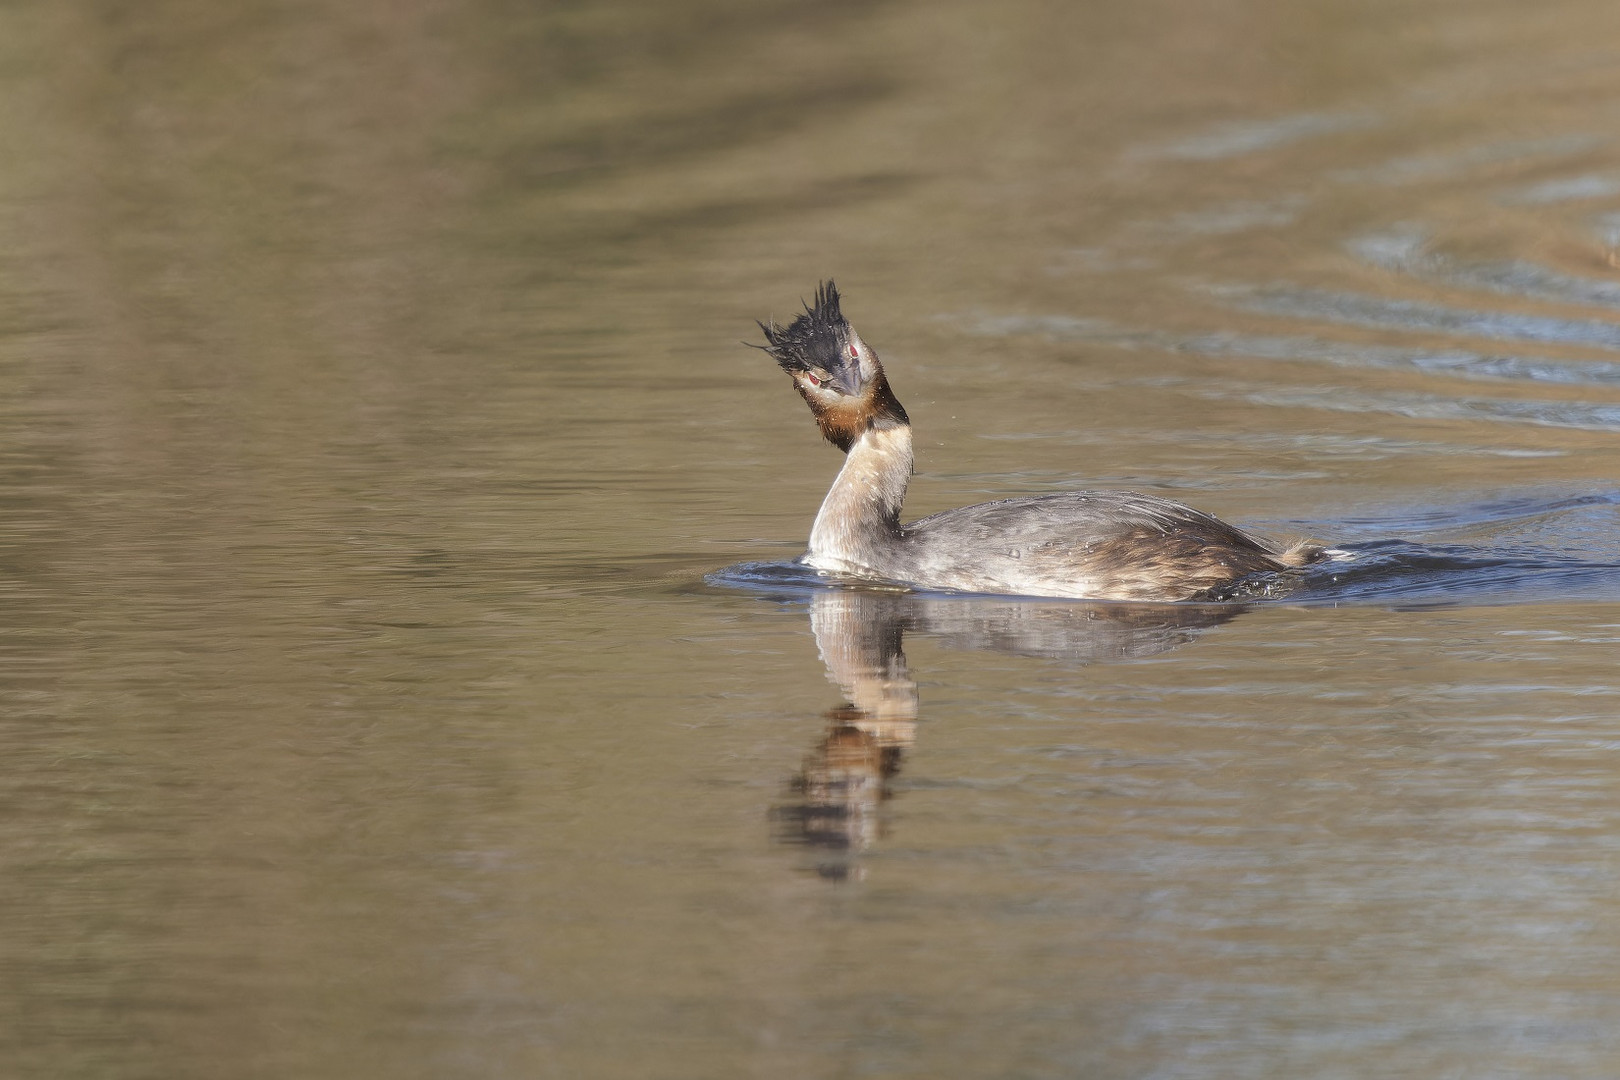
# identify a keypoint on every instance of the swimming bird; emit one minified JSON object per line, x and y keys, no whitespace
{"x":1096,"y":545}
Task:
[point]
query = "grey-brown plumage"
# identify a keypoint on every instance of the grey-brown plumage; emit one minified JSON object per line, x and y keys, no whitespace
{"x":1100,"y":545}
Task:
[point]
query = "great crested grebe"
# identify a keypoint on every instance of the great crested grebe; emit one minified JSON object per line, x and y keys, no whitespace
{"x":1095,"y":545}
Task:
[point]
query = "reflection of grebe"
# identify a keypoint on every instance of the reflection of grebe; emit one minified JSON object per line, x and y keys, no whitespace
{"x":1101,"y":545}
{"x":845,"y":779}
{"x":840,"y":792}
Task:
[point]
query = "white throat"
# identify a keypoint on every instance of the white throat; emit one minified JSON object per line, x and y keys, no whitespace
{"x":860,"y":517}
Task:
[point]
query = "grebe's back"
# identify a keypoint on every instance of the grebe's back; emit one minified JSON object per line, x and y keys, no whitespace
{"x":1102,"y":545}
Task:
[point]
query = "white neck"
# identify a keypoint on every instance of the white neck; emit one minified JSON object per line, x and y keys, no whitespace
{"x":860,"y":516}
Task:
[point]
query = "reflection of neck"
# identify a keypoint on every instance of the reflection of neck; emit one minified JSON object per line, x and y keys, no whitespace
{"x":860,"y":517}
{"x":859,"y":637}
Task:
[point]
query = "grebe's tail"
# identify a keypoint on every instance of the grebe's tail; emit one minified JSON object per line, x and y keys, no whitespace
{"x":1304,"y":553}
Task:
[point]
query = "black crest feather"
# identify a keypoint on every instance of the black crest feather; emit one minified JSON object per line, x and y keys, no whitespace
{"x":819,"y":332}
{"x":843,"y":383}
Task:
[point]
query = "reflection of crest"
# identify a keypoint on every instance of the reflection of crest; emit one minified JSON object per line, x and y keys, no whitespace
{"x":846,"y":777}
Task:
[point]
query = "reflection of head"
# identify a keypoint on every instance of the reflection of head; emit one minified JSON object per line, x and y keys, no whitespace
{"x":839,"y":789}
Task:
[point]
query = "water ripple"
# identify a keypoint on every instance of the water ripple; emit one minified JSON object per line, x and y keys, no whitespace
{"x":1580,"y":415}
{"x":1463,"y":363}
{"x":1471,"y":160}
{"x":1448,"y":362}
{"x":1406,"y":251}
{"x":1252,"y":136}
{"x":1405,"y":574}
{"x":1563,"y":189}
{"x":1419,"y":316}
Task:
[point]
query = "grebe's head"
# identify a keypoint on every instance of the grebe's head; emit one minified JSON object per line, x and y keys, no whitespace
{"x":837,"y":373}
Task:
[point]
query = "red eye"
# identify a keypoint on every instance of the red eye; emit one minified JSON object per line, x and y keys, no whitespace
{"x":854,"y":353}
{"x":813,"y":380}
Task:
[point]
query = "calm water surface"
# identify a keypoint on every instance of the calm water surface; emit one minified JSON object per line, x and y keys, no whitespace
{"x":404,"y":674}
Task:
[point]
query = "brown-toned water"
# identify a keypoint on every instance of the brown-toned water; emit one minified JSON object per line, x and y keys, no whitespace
{"x":404,"y":672}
